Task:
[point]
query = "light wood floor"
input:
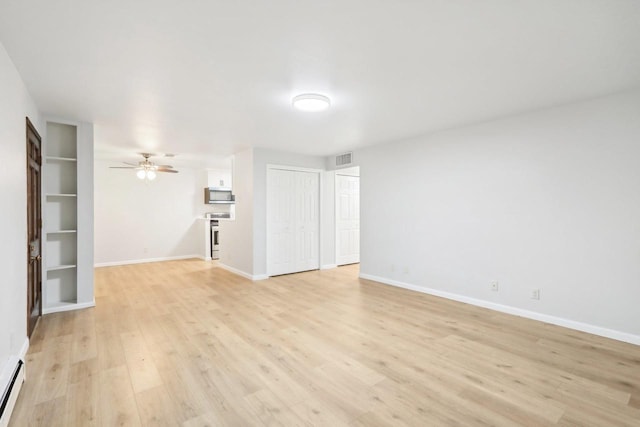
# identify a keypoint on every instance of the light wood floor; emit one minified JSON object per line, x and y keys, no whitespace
{"x":185,"y":343}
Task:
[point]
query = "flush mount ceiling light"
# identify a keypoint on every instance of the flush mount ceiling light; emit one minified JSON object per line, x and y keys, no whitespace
{"x":311,"y":102}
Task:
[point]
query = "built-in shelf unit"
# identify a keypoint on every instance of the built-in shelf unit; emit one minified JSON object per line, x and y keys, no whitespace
{"x":68,"y":216}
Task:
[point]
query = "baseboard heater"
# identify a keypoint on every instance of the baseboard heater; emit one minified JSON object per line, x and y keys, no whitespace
{"x":13,"y":384}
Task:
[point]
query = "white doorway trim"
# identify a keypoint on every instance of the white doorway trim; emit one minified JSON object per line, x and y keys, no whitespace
{"x":268,"y":230}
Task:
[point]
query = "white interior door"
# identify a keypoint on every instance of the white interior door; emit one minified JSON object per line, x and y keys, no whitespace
{"x":293,"y":218}
{"x":347,"y":219}
{"x":307,"y":221}
{"x":281,"y":222}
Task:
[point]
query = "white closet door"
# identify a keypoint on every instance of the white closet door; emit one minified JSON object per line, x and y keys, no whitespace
{"x":293,"y":221}
{"x":347,"y":219}
{"x":307,"y":212}
{"x":281,"y":217}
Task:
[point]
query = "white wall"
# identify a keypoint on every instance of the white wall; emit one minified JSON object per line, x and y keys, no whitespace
{"x":138,"y":220}
{"x":236,"y":237}
{"x":548,"y":200}
{"x":16,"y":104}
{"x":85,"y":218}
{"x":246,"y":251}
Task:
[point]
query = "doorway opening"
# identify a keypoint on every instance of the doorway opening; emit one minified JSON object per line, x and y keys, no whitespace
{"x":347,"y":216}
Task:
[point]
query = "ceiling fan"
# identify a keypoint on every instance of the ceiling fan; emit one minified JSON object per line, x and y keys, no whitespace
{"x":146,"y":168}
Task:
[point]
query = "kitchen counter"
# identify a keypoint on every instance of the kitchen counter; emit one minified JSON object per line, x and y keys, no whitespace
{"x":216,"y":219}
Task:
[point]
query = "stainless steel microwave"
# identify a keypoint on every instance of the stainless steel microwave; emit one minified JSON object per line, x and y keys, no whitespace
{"x":214,"y":195}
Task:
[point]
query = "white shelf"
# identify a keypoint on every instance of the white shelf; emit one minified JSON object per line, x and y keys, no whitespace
{"x":60,"y":159}
{"x":60,"y":267}
{"x":60,"y":178}
{"x":61,"y":195}
{"x":68,"y":215}
{"x":59,"y":306}
{"x":66,"y":306}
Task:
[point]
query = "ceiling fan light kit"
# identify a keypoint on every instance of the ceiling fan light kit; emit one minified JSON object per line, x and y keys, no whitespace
{"x":146,"y":169}
{"x":146,"y":174}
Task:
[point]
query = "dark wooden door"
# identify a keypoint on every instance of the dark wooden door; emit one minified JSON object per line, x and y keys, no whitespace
{"x":34,"y":228}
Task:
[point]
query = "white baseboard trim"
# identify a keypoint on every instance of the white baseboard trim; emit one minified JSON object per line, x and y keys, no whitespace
{"x":546,"y":318}
{"x":6,"y":369}
{"x":146,"y":260}
{"x":328,"y":266}
{"x":69,"y":307}
{"x":253,"y":277}
{"x":11,"y":380}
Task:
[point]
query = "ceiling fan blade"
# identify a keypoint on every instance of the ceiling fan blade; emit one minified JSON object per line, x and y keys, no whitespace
{"x":122,"y":167}
{"x":165,"y":166}
{"x":166,"y":170}
{"x":131,"y":164}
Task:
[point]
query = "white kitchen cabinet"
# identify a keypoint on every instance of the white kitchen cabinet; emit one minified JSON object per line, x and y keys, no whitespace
{"x":219,"y":178}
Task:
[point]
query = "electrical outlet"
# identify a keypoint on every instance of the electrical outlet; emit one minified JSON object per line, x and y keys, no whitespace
{"x":405,"y":270}
{"x":535,"y":294}
{"x":493,"y":285}
{"x":393,"y":267}
{"x":145,"y":250}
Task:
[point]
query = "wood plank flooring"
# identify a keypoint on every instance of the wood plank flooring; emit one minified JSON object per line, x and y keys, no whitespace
{"x":187,"y":343}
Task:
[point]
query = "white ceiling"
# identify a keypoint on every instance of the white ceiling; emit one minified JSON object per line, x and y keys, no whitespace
{"x":207,"y":78}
